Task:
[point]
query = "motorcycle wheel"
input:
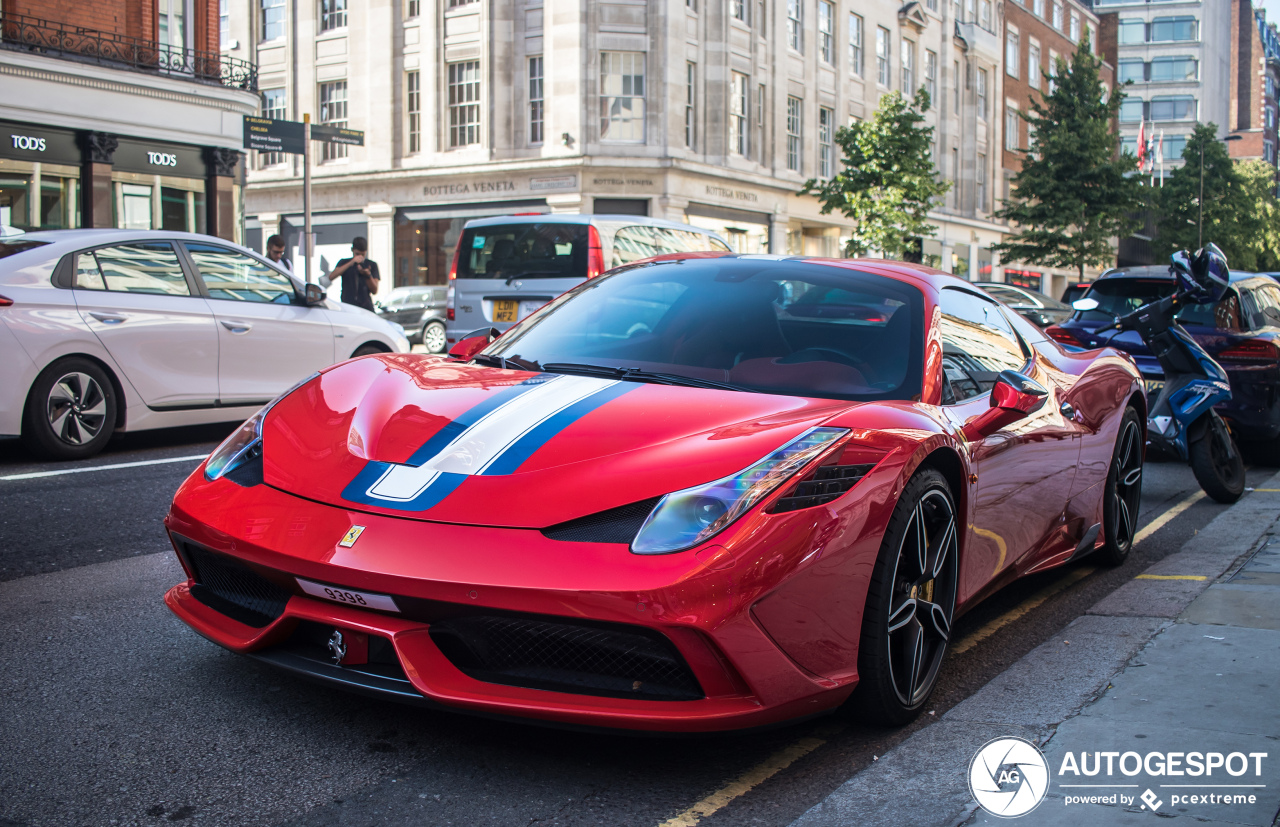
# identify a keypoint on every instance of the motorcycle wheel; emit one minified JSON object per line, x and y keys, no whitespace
{"x":1221,"y":476}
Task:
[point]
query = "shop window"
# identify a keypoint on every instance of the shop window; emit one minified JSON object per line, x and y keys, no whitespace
{"x":622,"y":96}
{"x":333,"y":15}
{"x":464,"y":104}
{"x":236,"y":277}
{"x":144,"y":267}
{"x":50,"y":191}
{"x":333,"y":112}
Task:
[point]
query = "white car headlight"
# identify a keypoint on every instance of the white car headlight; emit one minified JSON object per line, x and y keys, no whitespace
{"x":245,"y":443}
{"x":687,"y":518}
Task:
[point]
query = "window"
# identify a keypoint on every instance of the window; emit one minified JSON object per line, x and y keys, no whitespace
{"x":1033,"y":65}
{"x":1037,"y":6}
{"x":1053,"y":69}
{"x":957,"y":11}
{"x":453,"y":4}
{"x":955,"y":84}
{"x":1174,"y":28}
{"x":535,"y":100}
{"x":224,"y":24}
{"x":954,"y":193}
{"x":982,"y":183}
{"x":333,"y":112}
{"x":1132,"y":31}
{"x":1173,"y":108}
{"x":413,"y":8}
{"x":931,"y":76}
{"x":739,"y":84}
{"x":826,"y":151}
{"x":1012,"y":126}
{"x":982,"y":94}
{"x":826,"y":31}
{"x":931,"y":4}
{"x":908,"y":67}
{"x":760,"y":121}
{"x":234,"y":276}
{"x":1074,"y":32}
{"x":977,"y":343}
{"x":1057,"y":16}
{"x":1131,"y":110}
{"x":413,"y":96}
{"x":464,"y":103}
{"x":273,"y":19}
{"x":1271,"y":117}
{"x":642,"y":241}
{"x":1093,"y":38}
{"x":690,"y":103}
{"x":984,"y":15}
{"x":795,"y":119}
{"x":855,"y":45}
{"x":1174,"y":68}
{"x":882,"y":56}
{"x":1130,"y":69}
{"x":1012,"y":54}
{"x":144,"y":267}
{"x":622,"y":96}
{"x":1173,"y":146}
{"x":273,"y":106}
{"x":741,"y":10}
{"x":691,"y":5}
{"x":795,"y":32}
{"x":333,"y":14}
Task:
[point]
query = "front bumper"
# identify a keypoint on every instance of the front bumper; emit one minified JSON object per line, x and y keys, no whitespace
{"x":437,"y":572}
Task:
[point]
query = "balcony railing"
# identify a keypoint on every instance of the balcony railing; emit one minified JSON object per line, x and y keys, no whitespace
{"x":46,"y":37}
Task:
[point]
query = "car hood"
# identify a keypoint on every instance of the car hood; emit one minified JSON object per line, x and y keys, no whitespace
{"x":417,"y":437}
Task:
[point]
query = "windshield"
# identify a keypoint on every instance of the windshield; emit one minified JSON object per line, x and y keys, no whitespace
{"x":1119,"y":297}
{"x":784,"y":327}
{"x":510,"y":251}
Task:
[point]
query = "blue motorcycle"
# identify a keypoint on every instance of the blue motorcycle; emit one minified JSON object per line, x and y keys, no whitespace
{"x":1182,"y":421}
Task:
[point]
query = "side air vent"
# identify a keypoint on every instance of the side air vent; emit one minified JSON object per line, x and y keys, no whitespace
{"x":617,"y":525}
{"x":828,"y":483}
{"x":225,"y":585}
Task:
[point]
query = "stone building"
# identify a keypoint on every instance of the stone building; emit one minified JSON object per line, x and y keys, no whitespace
{"x":1256,"y":57}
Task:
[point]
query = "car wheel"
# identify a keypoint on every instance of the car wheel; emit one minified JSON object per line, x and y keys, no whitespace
{"x":366,"y":350}
{"x":910,"y":605}
{"x":433,"y":337}
{"x":1218,"y":469}
{"x":1123,"y":493}
{"x":71,"y":410}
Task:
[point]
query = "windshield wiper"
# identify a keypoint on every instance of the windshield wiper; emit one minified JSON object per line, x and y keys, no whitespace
{"x":638,"y":375}
{"x":533,"y":273}
{"x":506,"y":362}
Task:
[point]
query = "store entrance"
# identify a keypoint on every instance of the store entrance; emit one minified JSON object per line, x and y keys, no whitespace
{"x":158,"y":202}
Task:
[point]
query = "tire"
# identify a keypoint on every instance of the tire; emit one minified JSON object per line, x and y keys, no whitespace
{"x":1123,"y":493}
{"x":70,"y":411}
{"x":910,"y":604}
{"x":433,"y":338}
{"x":1221,"y":477}
{"x":367,"y":349}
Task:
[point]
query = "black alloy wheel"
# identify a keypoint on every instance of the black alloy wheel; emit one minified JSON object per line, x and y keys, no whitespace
{"x":910,"y":604}
{"x":70,"y":411}
{"x":1123,"y":493}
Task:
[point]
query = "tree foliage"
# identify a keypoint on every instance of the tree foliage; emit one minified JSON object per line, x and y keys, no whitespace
{"x":887,"y":182}
{"x":1260,"y":180}
{"x":1074,"y":194}
{"x":1235,"y":203}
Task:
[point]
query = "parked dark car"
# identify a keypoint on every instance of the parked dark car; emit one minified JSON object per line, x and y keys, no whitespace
{"x":1242,"y":332}
{"x":1075,"y":290}
{"x":420,"y":311}
{"x":1035,"y":307}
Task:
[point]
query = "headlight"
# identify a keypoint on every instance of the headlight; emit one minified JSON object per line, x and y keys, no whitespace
{"x":692,"y":516}
{"x":246,"y":442}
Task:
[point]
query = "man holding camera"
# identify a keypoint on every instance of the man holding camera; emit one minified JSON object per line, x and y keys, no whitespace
{"x":359,"y":275}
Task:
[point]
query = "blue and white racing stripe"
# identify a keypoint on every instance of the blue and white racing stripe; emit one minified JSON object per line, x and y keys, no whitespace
{"x":493,"y":438}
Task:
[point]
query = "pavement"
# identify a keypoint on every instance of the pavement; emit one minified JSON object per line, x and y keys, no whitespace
{"x":1163,"y":700}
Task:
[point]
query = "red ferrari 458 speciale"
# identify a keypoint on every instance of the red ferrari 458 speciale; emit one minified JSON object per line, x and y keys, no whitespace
{"x":693,"y":494}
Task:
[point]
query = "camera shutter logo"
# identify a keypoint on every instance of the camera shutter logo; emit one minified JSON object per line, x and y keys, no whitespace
{"x":1009,"y":777}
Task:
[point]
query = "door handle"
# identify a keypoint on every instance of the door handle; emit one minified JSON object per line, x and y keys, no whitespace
{"x":109,"y":318}
{"x":238,"y":327}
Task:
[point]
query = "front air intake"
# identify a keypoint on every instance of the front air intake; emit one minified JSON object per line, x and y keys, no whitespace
{"x":617,"y":525}
{"x":225,"y":585}
{"x":829,"y":482}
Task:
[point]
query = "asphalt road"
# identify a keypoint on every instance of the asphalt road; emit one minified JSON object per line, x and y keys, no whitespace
{"x":114,"y":712}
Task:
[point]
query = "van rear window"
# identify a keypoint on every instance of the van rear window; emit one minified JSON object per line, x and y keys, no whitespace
{"x":524,"y":251}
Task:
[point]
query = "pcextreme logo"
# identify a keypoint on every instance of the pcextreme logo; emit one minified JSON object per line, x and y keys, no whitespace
{"x":1009,"y":777}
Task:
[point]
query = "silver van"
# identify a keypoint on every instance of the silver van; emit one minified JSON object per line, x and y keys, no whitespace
{"x":508,"y":266}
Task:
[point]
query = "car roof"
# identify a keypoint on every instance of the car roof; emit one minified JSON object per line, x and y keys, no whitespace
{"x":75,"y":239}
{"x":592,"y":218}
{"x":1160,"y":271}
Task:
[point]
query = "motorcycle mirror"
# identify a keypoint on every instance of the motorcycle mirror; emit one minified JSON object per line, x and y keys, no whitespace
{"x":1085,"y":304}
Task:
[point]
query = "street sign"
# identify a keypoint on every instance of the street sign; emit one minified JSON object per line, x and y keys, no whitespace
{"x":336,"y":135}
{"x":269,"y":135}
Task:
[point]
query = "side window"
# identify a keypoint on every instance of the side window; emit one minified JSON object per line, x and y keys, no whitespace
{"x":88,"y":276}
{"x":634,"y":243}
{"x":977,"y":343}
{"x":237,"y":277}
{"x":1267,"y":297}
{"x":144,"y":267}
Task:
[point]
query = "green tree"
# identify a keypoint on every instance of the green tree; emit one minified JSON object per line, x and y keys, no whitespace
{"x":887,"y":182}
{"x":1230,"y":220}
{"x":1260,"y":182}
{"x":1075,"y":193}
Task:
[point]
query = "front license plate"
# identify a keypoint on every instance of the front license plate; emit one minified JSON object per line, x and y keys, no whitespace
{"x":506,"y":311}
{"x":1153,"y":387}
{"x":364,"y":600}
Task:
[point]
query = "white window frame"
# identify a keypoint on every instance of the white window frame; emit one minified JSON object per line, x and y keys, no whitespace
{"x":857,"y":27}
{"x":619,"y":86}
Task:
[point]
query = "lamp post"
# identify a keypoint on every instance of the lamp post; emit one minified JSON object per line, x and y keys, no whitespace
{"x":1200,"y":202}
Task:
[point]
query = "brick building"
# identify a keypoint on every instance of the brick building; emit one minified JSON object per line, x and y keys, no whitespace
{"x":1256,"y":58}
{"x":120,"y":113}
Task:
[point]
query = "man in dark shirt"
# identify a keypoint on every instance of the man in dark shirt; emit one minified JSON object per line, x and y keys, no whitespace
{"x":359,"y":275}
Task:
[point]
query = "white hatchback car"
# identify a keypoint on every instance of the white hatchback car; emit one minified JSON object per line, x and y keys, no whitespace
{"x":110,"y":330}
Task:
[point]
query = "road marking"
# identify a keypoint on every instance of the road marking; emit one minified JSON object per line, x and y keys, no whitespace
{"x":36,"y":474}
{"x":1170,"y":577}
{"x":753,"y":777}
{"x":1267,"y":490}
{"x":1163,"y":520}
{"x":974,"y":638}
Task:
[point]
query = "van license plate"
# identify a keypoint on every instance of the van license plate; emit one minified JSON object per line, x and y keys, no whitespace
{"x":506,"y":311}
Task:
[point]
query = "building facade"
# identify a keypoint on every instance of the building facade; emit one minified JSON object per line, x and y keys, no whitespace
{"x":121,"y":113}
{"x":713,"y":112}
{"x":1256,"y":57}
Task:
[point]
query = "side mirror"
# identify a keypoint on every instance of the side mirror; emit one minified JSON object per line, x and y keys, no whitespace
{"x":314,"y":295}
{"x":1085,"y":304}
{"x":473,"y":343}
{"x":1013,"y":397}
